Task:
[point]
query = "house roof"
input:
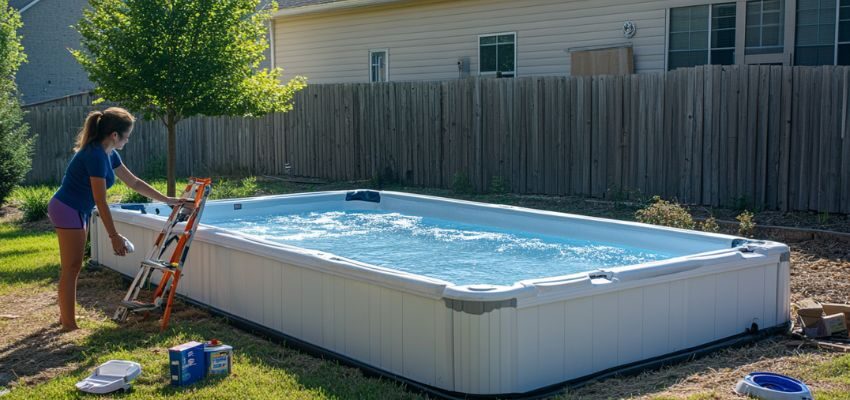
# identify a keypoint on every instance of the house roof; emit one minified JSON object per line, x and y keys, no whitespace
{"x":297,"y":7}
{"x":301,"y":3}
{"x":19,"y":4}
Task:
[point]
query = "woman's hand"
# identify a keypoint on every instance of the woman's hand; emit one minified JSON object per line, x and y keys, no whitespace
{"x":119,"y":245}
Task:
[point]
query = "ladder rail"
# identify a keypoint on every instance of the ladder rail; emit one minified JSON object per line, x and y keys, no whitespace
{"x":196,"y":192}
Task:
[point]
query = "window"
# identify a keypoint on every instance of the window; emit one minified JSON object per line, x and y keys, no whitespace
{"x":702,"y":35}
{"x":819,"y":40}
{"x":497,"y":54}
{"x":843,"y":48}
{"x":765,"y":32}
{"x":379,"y":66}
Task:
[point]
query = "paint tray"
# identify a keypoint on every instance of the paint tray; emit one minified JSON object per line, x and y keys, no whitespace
{"x":111,"y":376}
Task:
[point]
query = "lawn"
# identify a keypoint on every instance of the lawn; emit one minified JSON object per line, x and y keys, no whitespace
{"x":38,"y":361}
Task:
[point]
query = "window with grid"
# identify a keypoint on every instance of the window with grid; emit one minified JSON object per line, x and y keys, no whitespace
{"x":765,"y":32}
{"x":819,"y":40}
{"x":702,"y":35}
{"x":497,"y":55}
{"x":378,"y":71}
{"x":843,"y":50}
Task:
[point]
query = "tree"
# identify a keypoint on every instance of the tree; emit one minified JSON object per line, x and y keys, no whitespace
{"x":15,"y":143}
{"x":173,"y":59}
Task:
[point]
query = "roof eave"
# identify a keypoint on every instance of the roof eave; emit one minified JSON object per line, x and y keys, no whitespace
{"x":332,"y":6}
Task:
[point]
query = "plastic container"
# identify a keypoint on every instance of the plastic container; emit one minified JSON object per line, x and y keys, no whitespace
{"x":111,"y":376}
{"x":770,"y":386}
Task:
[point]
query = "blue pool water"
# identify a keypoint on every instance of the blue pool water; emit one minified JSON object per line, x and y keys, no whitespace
{"x":456,"y":252}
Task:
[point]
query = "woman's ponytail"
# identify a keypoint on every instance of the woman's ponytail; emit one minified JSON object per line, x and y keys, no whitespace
{"x":99,"y":125}
{"x":89,"y":130}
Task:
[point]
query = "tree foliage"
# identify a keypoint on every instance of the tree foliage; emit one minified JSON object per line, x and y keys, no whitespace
{"x":173,"y":59}
{"x":15,"y":142}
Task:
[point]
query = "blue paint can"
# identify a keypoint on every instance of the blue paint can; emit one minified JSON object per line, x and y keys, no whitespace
{"x":218,"y":357}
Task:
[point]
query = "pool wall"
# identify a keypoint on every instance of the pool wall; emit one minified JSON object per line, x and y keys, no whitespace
{"x":478,"y":339}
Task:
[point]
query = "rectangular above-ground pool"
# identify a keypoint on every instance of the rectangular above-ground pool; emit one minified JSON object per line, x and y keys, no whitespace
{"x":467,"y":297}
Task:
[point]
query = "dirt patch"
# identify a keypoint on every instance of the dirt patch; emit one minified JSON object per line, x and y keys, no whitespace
{"x":716,"y":374}
{"x":32,"y":346}
{"x":820,"y":270}
{"x":33,"y":349}
{"x":9,"y":214}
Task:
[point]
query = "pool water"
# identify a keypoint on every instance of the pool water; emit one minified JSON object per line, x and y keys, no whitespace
{"x":456,"y":252}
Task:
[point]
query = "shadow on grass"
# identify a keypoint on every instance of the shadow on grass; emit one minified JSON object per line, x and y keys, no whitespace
{"x":39,"y":351}
{"x":21,"y":232}
{"x":46,"y":272}
{"x":18,"y":252}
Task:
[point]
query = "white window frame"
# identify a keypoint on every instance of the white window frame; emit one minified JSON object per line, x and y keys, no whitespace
{"x":386,"y":64}
{"x":710,"y":5}
{"x":837,"y":31}
{"x":835,"y":42}
{"x":478,"y":50}
{"x":761,"y":26}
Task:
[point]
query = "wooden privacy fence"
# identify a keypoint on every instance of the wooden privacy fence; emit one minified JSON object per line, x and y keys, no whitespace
{"x":767,"y":136}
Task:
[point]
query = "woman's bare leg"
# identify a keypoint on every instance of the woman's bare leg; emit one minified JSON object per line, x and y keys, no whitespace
{"x":72,"y":246}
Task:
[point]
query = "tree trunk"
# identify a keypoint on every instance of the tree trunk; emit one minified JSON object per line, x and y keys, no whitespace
{"x":170,"y":123}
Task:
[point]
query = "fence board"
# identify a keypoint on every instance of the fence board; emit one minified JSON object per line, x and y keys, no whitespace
{"x":774,"y":137}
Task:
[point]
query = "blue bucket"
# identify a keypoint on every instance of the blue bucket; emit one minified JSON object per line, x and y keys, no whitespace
{"x":770,"y":386}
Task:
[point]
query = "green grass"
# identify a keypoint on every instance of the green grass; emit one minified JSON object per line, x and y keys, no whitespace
{"x":28,"y":259}
{"x":261,"y":370}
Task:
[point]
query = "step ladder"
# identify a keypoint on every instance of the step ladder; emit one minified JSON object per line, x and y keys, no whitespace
{"x":168,"y":254}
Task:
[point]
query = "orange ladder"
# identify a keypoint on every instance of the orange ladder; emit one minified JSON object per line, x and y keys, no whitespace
{"x":188,"y":210}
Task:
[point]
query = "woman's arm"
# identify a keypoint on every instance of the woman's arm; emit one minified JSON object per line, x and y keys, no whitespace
{"x":98,"y":188}
{"x":140,"y":186}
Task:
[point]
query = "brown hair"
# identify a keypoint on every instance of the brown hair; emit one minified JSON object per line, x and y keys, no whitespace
{"x":99,"y":125}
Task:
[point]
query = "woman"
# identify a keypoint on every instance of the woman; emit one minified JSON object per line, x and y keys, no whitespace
{"x":90,"y":173}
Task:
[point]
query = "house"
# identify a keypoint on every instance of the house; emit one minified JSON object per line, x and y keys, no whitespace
{"x":47,"y":35}
{"x":402,"y":40}
{"x":50,"y":71}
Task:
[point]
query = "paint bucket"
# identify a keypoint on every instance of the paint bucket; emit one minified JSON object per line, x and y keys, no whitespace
{"x":219,"y":357}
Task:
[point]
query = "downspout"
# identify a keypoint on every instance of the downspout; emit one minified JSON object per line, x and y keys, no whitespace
{"x":271,"y":43}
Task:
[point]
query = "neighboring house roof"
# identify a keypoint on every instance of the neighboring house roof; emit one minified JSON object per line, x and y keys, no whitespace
{"x":301,"y":3}
{"x":296,"y":7}
{"x":19,"y":4}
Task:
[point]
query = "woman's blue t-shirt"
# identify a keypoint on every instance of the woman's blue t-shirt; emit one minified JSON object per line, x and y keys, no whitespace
{"x":90,"y":161}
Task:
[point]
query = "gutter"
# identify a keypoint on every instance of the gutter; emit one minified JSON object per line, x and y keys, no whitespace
{"x":27,"y":7}
{"x":332,"y":6}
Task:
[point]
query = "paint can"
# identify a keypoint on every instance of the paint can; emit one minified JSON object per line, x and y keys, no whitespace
{"x":219,"y":357}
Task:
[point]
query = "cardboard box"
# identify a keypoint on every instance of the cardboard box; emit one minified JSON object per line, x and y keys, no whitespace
{"x":186,"y":363}
{"x":833,"y":308}
{"x":810,"y":312}
{"x":834,"y":325}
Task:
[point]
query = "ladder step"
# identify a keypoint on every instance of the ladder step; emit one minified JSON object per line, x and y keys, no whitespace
{"x":158,"y":265}
{"x":137,"y":306}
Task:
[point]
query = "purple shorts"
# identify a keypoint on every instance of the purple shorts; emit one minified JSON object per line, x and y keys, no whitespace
{"x":64,"y":216}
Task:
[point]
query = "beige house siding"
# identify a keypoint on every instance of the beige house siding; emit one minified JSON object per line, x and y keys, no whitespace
{"x":426,"y":38}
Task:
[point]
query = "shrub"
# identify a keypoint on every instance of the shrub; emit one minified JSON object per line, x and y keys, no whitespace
{"x":32,"y":200}
{"x":746,"y":224}
{"x":131,"y":196}
{"x":710,"y":225}
{"x":15,"y":145}
{"x":229,"y":189}
{"x":498,"y":185}
{"x":665,"y":213}
{"x":461,"y":184}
